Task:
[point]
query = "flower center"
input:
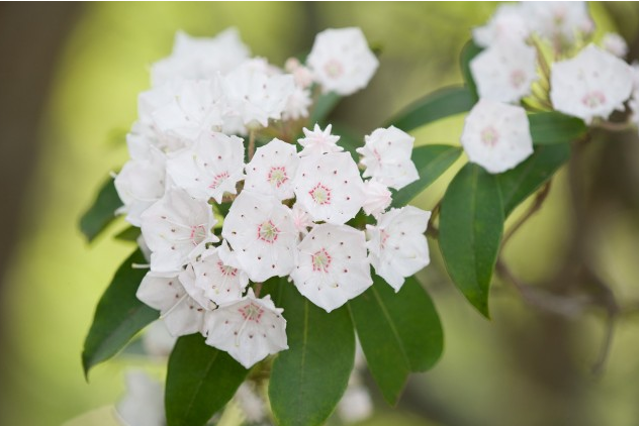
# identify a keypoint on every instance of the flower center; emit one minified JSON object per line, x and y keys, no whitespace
{"x":268,"y":232}
{"x":333,"y":68}
{"x":277,"y":176}
{"x":593,"y":99}
{"x":218,"y":179}
{"x":198,"y":234}
{"x":321,"y":260}
{"x":489,"y":136}
{"x":517,"y":78}
{"x":225,"y":270}
{"x":251,"y":312}
{"x":320,"y":194}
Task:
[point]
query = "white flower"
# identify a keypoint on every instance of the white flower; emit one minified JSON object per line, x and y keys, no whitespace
{"x":141,"y":183}
{"x":301,"y":219}
{"x":157,"y":341}
{"x":195,"y":58}
{"x":141,"y":391}
{"x":318,"y":141}
{"x":181,"y":314}
{"x":397,"y":245}
{"x":272,"y":170}
{"x":303,"y":76}
{"x":341,"y":60}
{"x":496,"y":136}
{"x":377,"y":197}
{"x":297,"y":104}
{"x":332,"y":267}
{"x":558,"y":21}
{"x":209,"y":278}
{"x":329,"y":187}
{"x":505,"y":71}
{"x":210,"y":168}
{"x":387,"y":157}
{"x":262,"y":234}
{"x":255,"y":96}
{"x":592,"y":84}
{"x":615,"y":44}
{"x":249,"y":329}
{"x":356,"y":405}
{"x":175,"y":226}
{"x":251,"y":403}
{"x":507,"y":23}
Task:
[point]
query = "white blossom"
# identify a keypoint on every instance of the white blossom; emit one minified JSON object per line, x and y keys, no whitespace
{"x":297,"y":104}
{"x":507,"y":23}
{"x":301,"y":218}
{"x":250,"y":402}
{"x":615,"y":44}
{"x":175,"y":226}
{"x":272,"y":170}
{"x":496,"y":136}
{"x":558,"y":21}
{"x":505,"y":71}
{"x":332,"y":267}
{"x":261,"y":232}
{"x":397,"y":244}
{"x":302,"y":75}
{"x":318,"y":141}
{"x":157,"y":340}
{"x":210,"y":168}
{"x":249,"y":329}
{"x":329,"y":187}
{"x":341,"y":60}
{"x":592,"y":84}
{"x":141,"y":391}
{"x":387,"y":157}
{"x":377,"y":197}
{"x":356,"y":405}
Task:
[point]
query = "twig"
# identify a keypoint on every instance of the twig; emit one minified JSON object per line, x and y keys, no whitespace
{"x":534,"y":208}
{"x":251,"y":147}
{"x":257,"y":289}
{"x":613,"y":126}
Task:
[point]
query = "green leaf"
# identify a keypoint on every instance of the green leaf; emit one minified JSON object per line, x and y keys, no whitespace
{"x":469,"y":51}
{"x":399,"y":332}
{"x":524,"y":180}
{"x":129,"y":234}
{"x":437,"y":105}
{"x":102,"y":212}
{"x":325,"y":104}
{"x":119,"y":315}
{"x":470,"y":230}
{"x":309,"y":379}
{"x":200,"y":381}
{"x":431,"y":161}
{"x":553,"y":128}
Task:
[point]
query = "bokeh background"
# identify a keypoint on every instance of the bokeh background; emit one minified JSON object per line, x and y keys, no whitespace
{"x":69,"y":77}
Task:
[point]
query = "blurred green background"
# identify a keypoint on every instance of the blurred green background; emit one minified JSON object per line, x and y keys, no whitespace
{"x":78,"y":69}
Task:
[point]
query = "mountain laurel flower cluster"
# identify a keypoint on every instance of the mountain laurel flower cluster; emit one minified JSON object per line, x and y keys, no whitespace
{"x":541,"y":57}
{"x":223,"y":206}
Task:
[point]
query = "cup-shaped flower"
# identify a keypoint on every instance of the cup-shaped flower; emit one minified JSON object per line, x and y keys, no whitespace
{"x":397,"y":244}
{"x":558,"y":21}
{"x":332,"y":267}
{"x":249,"y":329}
{"x":507,"y":23}
{"x":496,"y":136}
{"x":272,"y":170}
{"x":262,"y":234}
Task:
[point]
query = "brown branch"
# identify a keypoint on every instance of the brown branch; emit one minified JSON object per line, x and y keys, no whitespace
{"x":534,"y":208}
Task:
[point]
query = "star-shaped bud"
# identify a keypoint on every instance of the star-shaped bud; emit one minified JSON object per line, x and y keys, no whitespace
{"x":272,"y":169}
{"x":301,"y":219}
{"x":318,"y":141}
{"x":592,"y":84}
{"x":181,"y":314}
{"x":496,"y":136}
{"x":175,"y":226}
{"x":249,"y":329}
{"x":329,"y":187}
{"x":210,"y":168}
{"x":332,"y":267}
{"x":377,"y":198}
{"x":505,"y":71}
{"x":342,"y":61}
{"x":387,"y":157}
{"x":397,"y":244}
{"x":261,"y":232}
{"x":507,"y":23}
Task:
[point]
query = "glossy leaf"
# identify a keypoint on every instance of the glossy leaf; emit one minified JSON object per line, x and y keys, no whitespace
{"x":324,"y":105}
{"x":399,"y":332}
{"x":200,"y":381}
{"x":119,"y":315}
{"x":469,"y":51}
{"x":524,"y":180}
{"x":553,"y":128}
{"x":102,"y":212}
{"x":309,"y":379}
{"x":132,"y":233}
{"x":470,"y":230}
{"x":431,"y":161}
{"x":437,"y":105}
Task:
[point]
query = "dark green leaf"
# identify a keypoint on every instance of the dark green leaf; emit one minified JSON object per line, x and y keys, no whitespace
{"x":324,"y":105}
{"x":521,"y":182}
{"x":102,"y":212}
{"x":200,"y":381}
{"x":437,"y":105}
{"x":431,"y":161}
{"x":400,"y":333}
{"x":469,"y":51}
{"x":349,"y":139}
{"x":119,"y":315}
{"x":309,"y":379}
{"x":553,"y":127}
{"x":471,"y":226}
{"x":129,"y":234}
